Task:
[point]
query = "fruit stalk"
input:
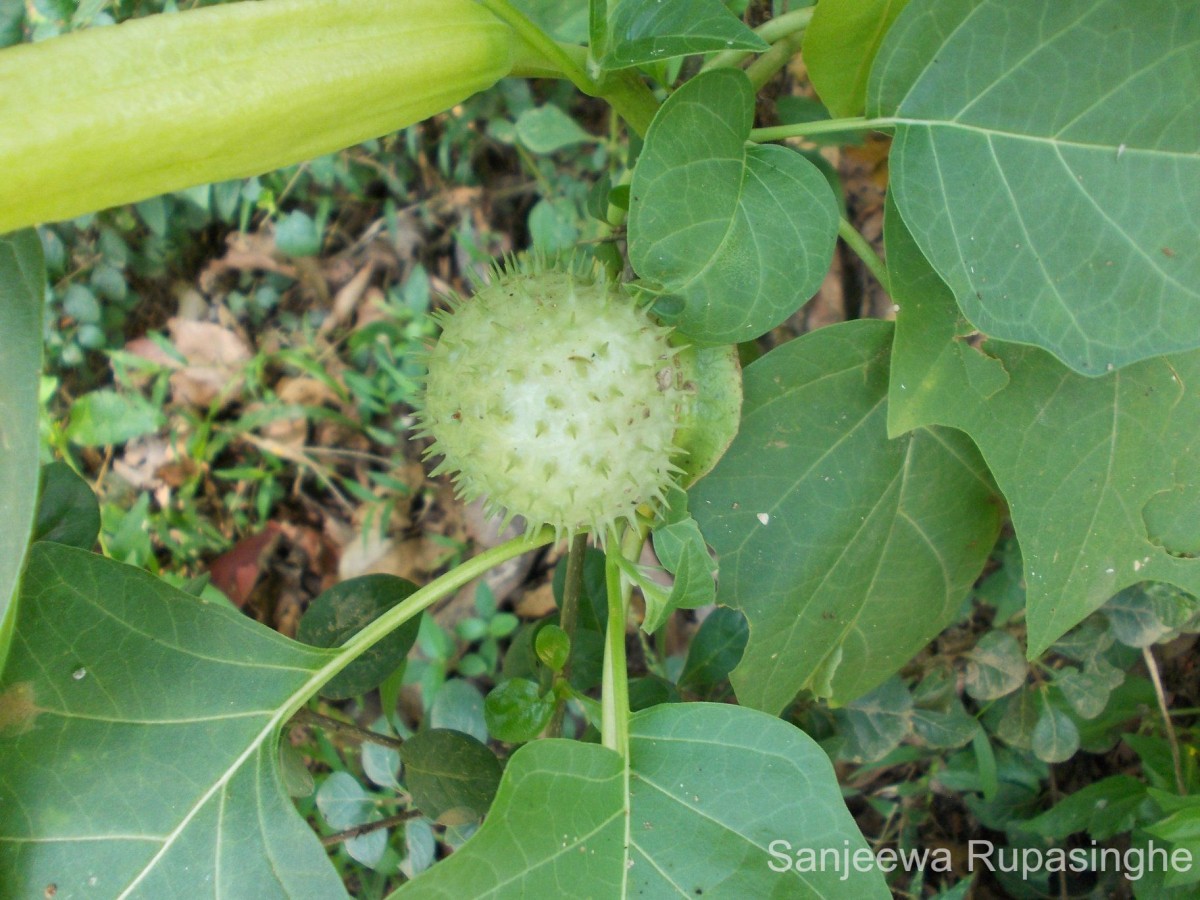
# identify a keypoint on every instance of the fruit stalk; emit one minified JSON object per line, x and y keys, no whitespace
{"x":114,"y":115}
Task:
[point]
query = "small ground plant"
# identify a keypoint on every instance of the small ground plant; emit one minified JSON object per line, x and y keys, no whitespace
{"x":837,"y":501}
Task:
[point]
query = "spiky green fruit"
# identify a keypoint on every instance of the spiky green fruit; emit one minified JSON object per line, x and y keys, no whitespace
{"x":557,"y":399}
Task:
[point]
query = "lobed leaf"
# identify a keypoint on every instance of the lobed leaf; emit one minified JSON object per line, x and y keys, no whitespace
{"x":22,"y":284}
{"x":571,"y":817}
{"x":1047,"y":160}
{"x":1080,"y":460}
{"x":846,"y":552}
{"x":139,"y":729}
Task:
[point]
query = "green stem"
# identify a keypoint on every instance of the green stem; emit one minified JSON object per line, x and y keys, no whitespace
{"x":766,"y":66}
{"x":856,"y":242}
{"x":541,"y":56}
{"x":528,"y":62}
{"x":567,"y":621}
{"x":631,"y":98}
{"x":822,"y":126}
{"x":614,"y":691}
{"x":776,"y":29}
{"x":614,"y":697}
{"x":541,"y":44}
{"x":1164,"y":710}
{"x":416,"y":603}
{"x":367,"y":827}
{"x":792,"y":22}
{"x":572,"y":588}
{"x":307,"y":717}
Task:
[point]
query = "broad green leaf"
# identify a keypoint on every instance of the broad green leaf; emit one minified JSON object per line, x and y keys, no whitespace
{"x":1086,"y":692}
{"x":22,"y":285}
{"x":344,"y":610}
{"x":450,"y":772}
{"x":68,"y":512}
{"x":715,"y":649}
{"x":553,"y":647}
{"x":839,"y":46}
{"x":846,"y":551}
{"x":105,"y":417}
{"x":570,"y":818}
{"x":985,"y":764}
{"x":1086,"y":643}
{"x":139,"y":730}
{"x":1078,"y":459}
{"x":939,"y":718}
{"x":369,"y":848}
{"x":421,"y":845}
{"x":1055,"y":737}
{"x":937,"y":690}
{"x":996,"y":667}
{"x":1146,"y":614}
{"x":1004,"y":589}
{"x":1047,"y":160}
{"x":651,"y":690}
{"x":944,"y":730}
{"x":1102,"y":809}
{"x":556,"y":821}
{"x":459,"y":707}
{"x":343,"y":802}
{"x":381,"y":763}
{"x":712,"y":384}
{"x":740,"y":236}
{"x":1159,"y":882}
{"x":293,"y":773}
{"x":597,"y":36}
{"x":875,"y":724}
{"x":1019,"y":715}
{"x":552,"y":226}
{"x":547,"y":128}
{"x":1181,"y":825}
{"x":1181,"y":829}
{"x":649,"y":31}
{"x":516,"y":710}
{"x":1171,"y":516}
{"x":1130,"y":699}
{"x":680,"y":548}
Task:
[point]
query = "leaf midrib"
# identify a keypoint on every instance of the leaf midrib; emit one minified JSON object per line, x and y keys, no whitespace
{"x":1047,"y":140}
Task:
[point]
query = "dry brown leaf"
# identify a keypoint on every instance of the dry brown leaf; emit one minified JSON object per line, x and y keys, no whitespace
{"x":215,"y":355}
{"x":247,"y":252}
{"x":346,"y":300}
{"x":296,"y":391}
{"x":413,"y":559}
{"x":537,"y":603}
{"x":236,"y":571}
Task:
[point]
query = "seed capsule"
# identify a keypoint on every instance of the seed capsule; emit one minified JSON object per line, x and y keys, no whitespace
{"x":557,"y":399}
